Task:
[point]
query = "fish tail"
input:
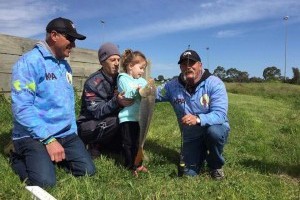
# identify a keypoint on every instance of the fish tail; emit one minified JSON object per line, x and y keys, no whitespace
{"x":139,"y":157}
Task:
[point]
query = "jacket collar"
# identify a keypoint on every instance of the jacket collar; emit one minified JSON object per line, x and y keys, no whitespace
{"x":191,"y":89}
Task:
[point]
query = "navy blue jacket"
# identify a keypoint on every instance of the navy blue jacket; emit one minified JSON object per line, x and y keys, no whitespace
{"x":99,"y":99}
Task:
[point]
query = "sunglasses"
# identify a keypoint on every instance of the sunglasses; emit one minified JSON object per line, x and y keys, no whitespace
{"x":69,"y":38}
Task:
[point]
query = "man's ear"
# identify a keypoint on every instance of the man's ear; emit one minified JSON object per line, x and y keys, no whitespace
{"x":200,"y":63}
{"x":54,"y":35}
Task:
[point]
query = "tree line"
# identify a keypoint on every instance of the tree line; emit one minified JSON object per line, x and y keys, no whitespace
{"x":234,"y":75}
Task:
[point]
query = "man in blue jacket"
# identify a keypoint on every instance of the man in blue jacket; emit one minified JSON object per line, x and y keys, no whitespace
{"x":200,"y":102}
{"x":45,"y":130}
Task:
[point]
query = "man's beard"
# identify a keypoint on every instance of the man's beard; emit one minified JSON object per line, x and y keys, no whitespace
{"x":189,"y":79}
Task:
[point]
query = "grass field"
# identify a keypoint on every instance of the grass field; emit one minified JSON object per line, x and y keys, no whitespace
{"x":262,"y":154}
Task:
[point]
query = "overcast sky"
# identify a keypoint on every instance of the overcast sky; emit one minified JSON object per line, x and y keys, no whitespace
{"x":245,"y":34}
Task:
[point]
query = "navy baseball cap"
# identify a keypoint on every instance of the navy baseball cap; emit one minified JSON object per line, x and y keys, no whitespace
{"x":66,"y":26}
{"x":189,"y":55}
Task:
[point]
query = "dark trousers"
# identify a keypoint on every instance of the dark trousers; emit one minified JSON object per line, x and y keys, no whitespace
{"x":206,"y":144}
{"x":32,"y":162}
{"x":130,"y":142}
{"x":105,"y":132}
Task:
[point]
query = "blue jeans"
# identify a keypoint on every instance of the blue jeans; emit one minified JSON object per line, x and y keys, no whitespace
{"x":205,"y":145}
{"x":32,"y":163}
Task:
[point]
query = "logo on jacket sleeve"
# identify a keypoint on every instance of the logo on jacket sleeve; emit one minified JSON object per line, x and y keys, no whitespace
{"x":179,"y":101}
{"x":17,"y":85}
{"x":31,"y":86}
{"x":204,"y":100}
{"x":96,"y":81}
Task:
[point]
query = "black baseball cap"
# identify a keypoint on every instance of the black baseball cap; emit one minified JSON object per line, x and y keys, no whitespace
{"x":63,"y":25}
{"x":189,"y":55}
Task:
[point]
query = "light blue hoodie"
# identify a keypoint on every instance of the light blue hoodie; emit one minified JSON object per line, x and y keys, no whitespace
{"x":42,"y":96}
{"x":209,"y":102}
{"x":129,"y":85}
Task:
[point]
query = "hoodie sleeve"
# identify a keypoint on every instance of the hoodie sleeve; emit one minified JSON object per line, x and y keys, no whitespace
{"x":162,"y":93}
{"x":218,"y":104}
{"x":25,"y":77}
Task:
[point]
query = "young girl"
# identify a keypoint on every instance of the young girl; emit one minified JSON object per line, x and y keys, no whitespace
{"x":130,"y":82}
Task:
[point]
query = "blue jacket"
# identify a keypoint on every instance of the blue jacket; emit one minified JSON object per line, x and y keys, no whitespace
{"x":129,"y":85}
{"x":208,"y":101}
{"x":42,"y":96}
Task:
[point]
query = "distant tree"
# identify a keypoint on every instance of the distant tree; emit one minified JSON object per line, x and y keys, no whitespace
{"x":256,"y":79}
{"x":160,"y":78}
{"x":243,"y":77}
{"x":271,"y":73}
{"x":220,"y":72}
{"x":296,"y":76}
{"x":232,"y":75}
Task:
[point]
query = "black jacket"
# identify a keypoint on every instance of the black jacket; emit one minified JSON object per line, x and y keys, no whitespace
{"x":99,"y":98}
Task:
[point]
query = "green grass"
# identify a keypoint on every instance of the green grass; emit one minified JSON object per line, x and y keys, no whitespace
{"x":262,"y":154}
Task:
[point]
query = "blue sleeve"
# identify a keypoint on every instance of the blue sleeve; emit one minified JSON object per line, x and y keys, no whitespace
{"x":74,"y":124}
{"x":218,"y":105}
{"x":162,"y":93}
{"x":25,"y":78}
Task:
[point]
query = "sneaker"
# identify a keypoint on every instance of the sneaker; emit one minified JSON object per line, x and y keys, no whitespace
{"x":190,"y":172}
{"x":217,"y":174}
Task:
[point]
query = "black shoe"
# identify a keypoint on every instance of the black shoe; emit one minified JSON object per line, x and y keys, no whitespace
{"x":217,"y":174}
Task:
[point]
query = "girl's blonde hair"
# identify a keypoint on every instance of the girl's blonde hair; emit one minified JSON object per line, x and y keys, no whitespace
{"x":129,"y":56}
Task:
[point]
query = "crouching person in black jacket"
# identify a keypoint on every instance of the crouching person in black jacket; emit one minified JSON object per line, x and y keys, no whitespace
{"x":98,"y":124}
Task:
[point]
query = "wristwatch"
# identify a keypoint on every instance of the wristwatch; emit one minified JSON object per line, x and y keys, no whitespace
{"x":198,"y":120}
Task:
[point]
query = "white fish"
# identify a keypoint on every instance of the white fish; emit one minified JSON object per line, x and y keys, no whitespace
{"x":148,"y":94}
